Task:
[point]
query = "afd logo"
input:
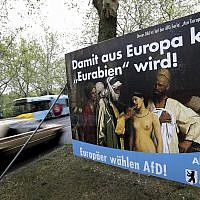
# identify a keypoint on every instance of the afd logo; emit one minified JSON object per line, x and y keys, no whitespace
{"x":191,"y":176}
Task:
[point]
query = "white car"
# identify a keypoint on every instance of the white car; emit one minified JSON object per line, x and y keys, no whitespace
{"x":15,"y":132}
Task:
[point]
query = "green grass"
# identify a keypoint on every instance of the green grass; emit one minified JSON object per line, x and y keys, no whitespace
{"x":60,"y":175}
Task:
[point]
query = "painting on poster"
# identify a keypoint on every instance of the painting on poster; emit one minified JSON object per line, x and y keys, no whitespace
{"x":135,"y":100}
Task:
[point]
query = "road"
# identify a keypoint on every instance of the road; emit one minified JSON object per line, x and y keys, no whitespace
{"x":33,"y":153}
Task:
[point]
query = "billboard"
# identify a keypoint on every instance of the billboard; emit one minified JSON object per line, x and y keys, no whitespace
{"x":135,"y":101}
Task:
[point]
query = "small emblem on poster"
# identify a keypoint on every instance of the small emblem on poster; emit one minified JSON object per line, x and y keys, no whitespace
{"x":191,"y":176}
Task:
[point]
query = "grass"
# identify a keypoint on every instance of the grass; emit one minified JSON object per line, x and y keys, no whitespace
{"x":59,"y":175}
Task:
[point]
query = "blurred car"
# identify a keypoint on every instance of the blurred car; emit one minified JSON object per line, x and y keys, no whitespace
{"x":1,"y":114}
{"x":15,"y":132}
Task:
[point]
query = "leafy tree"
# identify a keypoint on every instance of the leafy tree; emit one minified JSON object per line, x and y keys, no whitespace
{"x":37,"y":68}
{"x":26,"y":61}
{"x":51,"y":72}
{"x":7,"y":58}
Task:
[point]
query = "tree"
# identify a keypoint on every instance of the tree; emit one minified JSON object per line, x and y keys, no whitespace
{"x":51,"y":72}
{"x":26,"y":59}
{"x":7,"y":58}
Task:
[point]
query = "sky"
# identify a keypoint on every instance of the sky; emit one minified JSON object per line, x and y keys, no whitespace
{"x":57,"y":15}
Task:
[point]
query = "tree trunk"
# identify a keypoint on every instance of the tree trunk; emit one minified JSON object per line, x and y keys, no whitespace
{"x":107,"y":11}
{"x":107,"y":28}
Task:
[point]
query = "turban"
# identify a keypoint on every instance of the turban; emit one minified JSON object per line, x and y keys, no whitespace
{"x":164,"y":72}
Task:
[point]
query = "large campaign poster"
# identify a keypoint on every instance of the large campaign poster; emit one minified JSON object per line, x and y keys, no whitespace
{"x":135,"y":101}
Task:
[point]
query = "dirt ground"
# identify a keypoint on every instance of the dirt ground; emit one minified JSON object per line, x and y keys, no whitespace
{"x":61,"y":176}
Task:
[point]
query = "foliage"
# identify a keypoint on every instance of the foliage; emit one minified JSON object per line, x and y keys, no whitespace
{"x":134,"y":15}
{"x":6,"y":62}
{"x":51,"y":73}
{"x":26,"y":59}
{"x":90,"y":28}
{"x":6,"y":104}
